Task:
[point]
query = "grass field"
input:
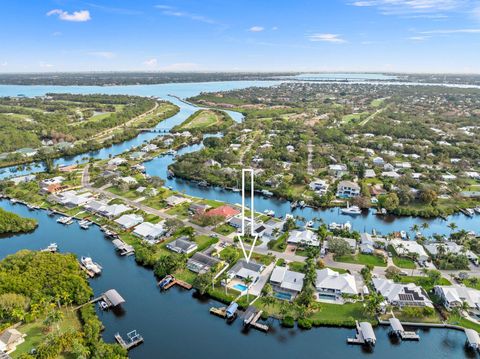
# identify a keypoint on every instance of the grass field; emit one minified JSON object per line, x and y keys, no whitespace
{"x":204,"y":119}
{"x":353,"y":117}
{"x":362,"y":259}
{"x":403,"y":262}
{"x":423,"y":281}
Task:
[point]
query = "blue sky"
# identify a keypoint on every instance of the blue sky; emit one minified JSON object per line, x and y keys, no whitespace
{"x":240,"y":35}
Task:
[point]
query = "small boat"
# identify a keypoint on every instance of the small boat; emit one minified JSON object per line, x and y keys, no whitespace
{"x":171,"y":152}
{"x":381,"y":211}
{"x":51,"y":213}
{"x":103,"y":305}
{"x":203,"y":184}
{"x":302,"y":204}
{"x":84,"y":224}
{"x":347,"y":226}
{"x":110,"y":234}
{"x":52,"y":248}
{"x":352,"y":210}
{"x":470,"y":212}
{"x":267,"y":193}
{"x":13,"y":200}
{"x":65,"y":220}
{"x":235,"y":189}
{"x":309,"y":224}
{"x":163,"y":283}
{"x":403,"y":235}
{"x":269,"y":212}
{"x":294,"y":205}
{"x":477,"y":209}
{"x":30,"y":207}
{"x":288,"y":216}
{"x":91,"y":266}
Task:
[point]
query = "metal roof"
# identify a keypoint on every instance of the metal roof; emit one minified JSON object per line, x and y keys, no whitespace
{"x":367,"y":331}
{"x":396,"y":325}
{"x":472,"y":336}
{"x":113,"y":297}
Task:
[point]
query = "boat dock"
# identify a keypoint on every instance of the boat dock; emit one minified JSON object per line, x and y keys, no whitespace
{"x":123,"y":248}
{"x":251,"y":318}
{"x":219,"y":312}
{"x":133,"y":339}
{"x":397,"y":329}
{"x":473,"y":339}
{"x":169,"y":281}
{"x":365,"y":334}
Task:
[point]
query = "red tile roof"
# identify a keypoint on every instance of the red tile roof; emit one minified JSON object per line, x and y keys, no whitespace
{"x":224,"y":211}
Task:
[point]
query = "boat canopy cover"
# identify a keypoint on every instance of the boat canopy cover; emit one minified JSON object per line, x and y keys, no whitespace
{"x":472,"y":336}
{"x":367,"y":331}
{"x":396,"y":325}
{"x":113,"y":297}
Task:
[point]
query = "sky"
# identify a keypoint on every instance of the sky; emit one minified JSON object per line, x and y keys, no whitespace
{"x":240,"y":35}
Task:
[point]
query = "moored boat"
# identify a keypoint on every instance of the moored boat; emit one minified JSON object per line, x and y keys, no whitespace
{"x":352,"y":210}
{"x":90,"y":265}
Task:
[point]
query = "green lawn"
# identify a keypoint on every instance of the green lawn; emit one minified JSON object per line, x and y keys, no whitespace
{"x":458,"y":320}
{"x":423,"y":281}
{"x":472,"y":282}
{"x":403,"y":262}
{"x":225,"y":229}
{"x":377,"y":102}
{"x":35,"y":334}
{"x":279,"y":244}
{"x":203,"y":242}
{"x":353,"y":117}
{"x":363,"y":259}
{"x":181,"y":210}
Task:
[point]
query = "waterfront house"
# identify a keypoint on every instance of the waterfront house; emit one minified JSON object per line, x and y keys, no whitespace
{"x":243,"y":269}
{"x":332,"y":285}
{"x":367,"y":244}
{"x":453,"y":296}
{"x":136,"y":155}
{"x":236,"y":222}
{"x":10,"y":339}
{"x":369,"y":173}
{"x":73,"y":199}
{"x":402,"y":294}
{"x":128,"y":180}
{"x":406,"y":248}
{"x":348,"y":189}
{"x":149,"y":232}
{"x":129,"y":220}
{"x":114,"y":210}
{"x":225,"y":211}
{"x":303,"y":238}
{"x":22,"y":179}
{"x":337,"y":170}
{"x":198,"y":208}
{"x":175,"y":200}
{"x":149,"y":147}
{"x":201,"y":263}
{"x":319,"y":186}
{"x":54,"y":180}
{"x":272,"y":229}
{"x":182,"y":245}
{"x":285,"y":283}
{"x":450,"y":247}
{"x":117,"y":161}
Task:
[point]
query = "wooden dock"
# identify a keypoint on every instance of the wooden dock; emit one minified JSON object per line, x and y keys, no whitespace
{"x":251,"y":319}
{"x":398,"y":330}
{"x":219,"y":312}
{"x":133,"y":340}
{"x":178,"y":282}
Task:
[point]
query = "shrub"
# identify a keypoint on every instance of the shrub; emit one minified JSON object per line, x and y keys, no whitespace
{"x":305,"y":323}
{"x":288,"y":322}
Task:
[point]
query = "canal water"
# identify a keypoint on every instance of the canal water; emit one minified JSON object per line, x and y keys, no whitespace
{"x":365,"y":222}
{"x":176,"y":324}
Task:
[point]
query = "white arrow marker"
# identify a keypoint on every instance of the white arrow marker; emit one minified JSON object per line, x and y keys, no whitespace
{"x":252,"y":214}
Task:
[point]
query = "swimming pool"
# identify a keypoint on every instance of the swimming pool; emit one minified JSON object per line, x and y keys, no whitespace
{"x":240,"y":287}
{"x":283,"y":296}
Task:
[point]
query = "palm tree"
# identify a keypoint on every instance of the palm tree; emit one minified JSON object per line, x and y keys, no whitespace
{"x":248,"y":281}
{"x":453,"y":226}
{"x":415,"y":228}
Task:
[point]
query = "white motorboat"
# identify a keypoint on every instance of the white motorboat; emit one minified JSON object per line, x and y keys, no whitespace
{"x":269,"y":212}
{"x":90,"y":265}
{"x":65,"y":220}
{"x":352,"y":210}
{"x":309,"y":224}
{"x":52,"y":248}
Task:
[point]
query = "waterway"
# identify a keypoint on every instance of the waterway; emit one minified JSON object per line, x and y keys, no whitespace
{"x":176,"y":324}
{"x":365,"y":222}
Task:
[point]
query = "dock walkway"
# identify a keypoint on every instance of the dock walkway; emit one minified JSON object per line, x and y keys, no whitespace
{"x":133,"y":340}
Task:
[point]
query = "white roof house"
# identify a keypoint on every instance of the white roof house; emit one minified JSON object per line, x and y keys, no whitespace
{"x":149,"y":231}
{"x":129,"y":220}
{"x":284,"y":280}
{"x":74,"y":199}
{"x":305,"y":237}
{"x":455,"y":295}
{"x":348,"y":189}
{"x":333,"y":284}
{"x":176,"y":200}
{"x":22,"y":179}
{"x":117,"y":161}
{"x":449,"y":247}
{"x":369,"y":173}
{"x":128,"y":180}
{"x":405,"y":248}
{"x":401,"y":294}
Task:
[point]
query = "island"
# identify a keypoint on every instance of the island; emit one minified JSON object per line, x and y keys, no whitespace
{"x":13,"y":223}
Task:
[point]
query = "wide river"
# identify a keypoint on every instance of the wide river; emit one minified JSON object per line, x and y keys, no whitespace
{"x":175,"y":325}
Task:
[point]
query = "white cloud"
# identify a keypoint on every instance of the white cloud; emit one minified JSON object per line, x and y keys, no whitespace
{"x":76,"y":16}
{"x":256,"y":29}
{"x":275,"y":28}
{"x":45,"y":65}
{"x":406,"y":7}
{"x":4,"y":64}
{"x":418,"y":38}
{"x":333,"y":38}
{"x":153,"y":62}
{"x":451,"y":31}
{"x":172,"y":11}
{"x":103,"y":54}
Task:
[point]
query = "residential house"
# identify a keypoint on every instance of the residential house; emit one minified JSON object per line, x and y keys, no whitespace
{"x":22,"y":179}
{"x":369,"y":173}
{"x":285,"y":283}
{"x":201,"y":263}
{"x":182,"y":245}
{"x":332,"y":285}
{"x":129,"y":220}
{"x":348,"y":189}
{"x":337,"y":170}
{"x":402,"y":294}
{"x":319,"y":186}
{"x":149,"y":232}
{"x":303,"y":238}
{"x":406,"y":248}
{"x":450,"y":247}
{"x":117,"y":161}
{"x":224,"y":211}
{"x":196,"y":208}
{"x":175,"y":200}
{"x":73,"y":199}
{"x":243,"y":269}
{"x":27,"y":152}
{"x":10,"y":339}
{"x":454,"y":296}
